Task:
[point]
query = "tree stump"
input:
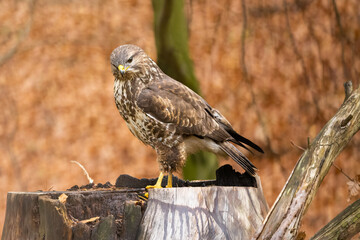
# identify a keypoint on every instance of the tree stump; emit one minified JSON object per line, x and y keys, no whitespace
{"x":83,"y":215}
{"x":212,"y":212}
{"x":213,"y":209}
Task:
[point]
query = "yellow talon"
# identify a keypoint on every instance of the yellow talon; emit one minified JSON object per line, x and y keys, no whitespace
{"x":158,"y":182}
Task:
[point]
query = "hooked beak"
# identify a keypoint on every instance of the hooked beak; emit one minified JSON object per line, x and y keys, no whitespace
{"x":122,"y":69}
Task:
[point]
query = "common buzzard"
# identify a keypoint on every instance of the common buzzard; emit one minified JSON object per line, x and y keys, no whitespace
{"x":169,"y":116}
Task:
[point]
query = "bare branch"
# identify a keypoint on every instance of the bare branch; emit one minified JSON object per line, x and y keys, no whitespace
{"x":340,"y":170}
{"x":301,"y":148}
{"x":310,"y":170}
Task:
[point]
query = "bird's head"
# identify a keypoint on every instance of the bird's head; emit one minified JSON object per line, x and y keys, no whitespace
{"x":126,"y":61}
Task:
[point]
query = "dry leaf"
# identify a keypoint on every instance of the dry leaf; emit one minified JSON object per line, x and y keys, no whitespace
{"x":301,"y":236}
{"x":63,"y":197}
{"x":353,"y":188}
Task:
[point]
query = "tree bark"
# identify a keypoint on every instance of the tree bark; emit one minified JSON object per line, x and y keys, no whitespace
{"x":285,"y":216}
{"x":83,"y":215}
{"x":203,"y":213}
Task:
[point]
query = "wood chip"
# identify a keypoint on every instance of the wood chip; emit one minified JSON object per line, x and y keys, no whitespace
{"x":63,"y":197}
{"x":90,"y":220}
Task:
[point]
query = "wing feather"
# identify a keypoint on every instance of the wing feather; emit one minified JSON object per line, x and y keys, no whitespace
{"x":173,"y":103}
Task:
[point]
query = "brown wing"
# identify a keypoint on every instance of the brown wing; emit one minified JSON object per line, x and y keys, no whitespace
{"x":170,"y":102}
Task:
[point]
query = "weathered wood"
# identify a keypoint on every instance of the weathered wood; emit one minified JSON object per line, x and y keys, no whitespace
{"x":54,"y":220}
{"x":203,"y":213}
{"x":344,"y":226}
{"x":116,"y":213}
{"x":40,"y":215}
{"x":284,"y":218}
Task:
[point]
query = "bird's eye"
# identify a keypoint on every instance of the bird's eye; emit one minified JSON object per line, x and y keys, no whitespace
{"x":129,"y":60}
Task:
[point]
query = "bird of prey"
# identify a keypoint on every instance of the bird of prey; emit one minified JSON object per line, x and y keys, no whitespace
{"x":169,"y":116}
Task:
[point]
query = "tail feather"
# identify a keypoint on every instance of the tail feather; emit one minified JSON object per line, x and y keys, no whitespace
{"x":238,"y":157}
{"x":241,"y":140}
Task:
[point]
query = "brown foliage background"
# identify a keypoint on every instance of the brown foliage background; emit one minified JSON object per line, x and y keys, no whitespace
{"x":279,"y":80}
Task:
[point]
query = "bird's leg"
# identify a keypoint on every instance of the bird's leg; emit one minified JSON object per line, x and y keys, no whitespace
{"x":169,"y":184}
{"x":158,"y":182}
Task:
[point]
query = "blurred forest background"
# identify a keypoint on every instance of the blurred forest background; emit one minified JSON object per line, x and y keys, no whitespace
{"x":275,"y":69}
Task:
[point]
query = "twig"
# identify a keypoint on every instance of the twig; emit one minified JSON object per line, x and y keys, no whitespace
{"x":340,"y":169}
{"x":297,"y":146}
{"x":84,"y":170}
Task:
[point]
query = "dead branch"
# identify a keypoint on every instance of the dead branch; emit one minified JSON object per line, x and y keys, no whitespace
{"x":285,"y":216}
{"x":295,"y":145}
{"x":340,"y":170}
{"x":344,"y":226}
